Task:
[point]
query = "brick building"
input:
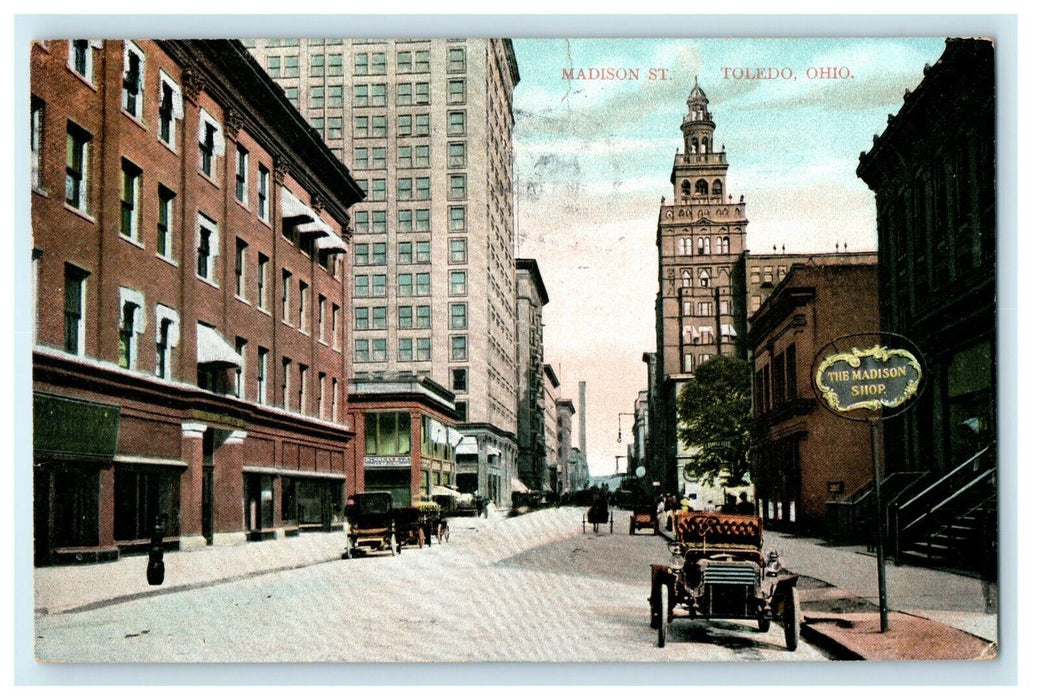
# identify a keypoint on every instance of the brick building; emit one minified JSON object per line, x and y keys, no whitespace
{"x":801,"y":454}
{"x":190,"y":294}
{"x":531,"y":298}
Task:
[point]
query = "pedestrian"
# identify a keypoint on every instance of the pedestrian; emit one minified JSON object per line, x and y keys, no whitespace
{"x":484,"y":506}
{"x":745,"y":507}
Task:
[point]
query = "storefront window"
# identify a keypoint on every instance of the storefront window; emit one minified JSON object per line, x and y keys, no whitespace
{"x":387,"y":433}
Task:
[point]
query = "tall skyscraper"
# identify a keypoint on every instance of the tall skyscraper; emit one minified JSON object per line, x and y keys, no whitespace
{"x":426,"y":128}
{"x":699,"y":239}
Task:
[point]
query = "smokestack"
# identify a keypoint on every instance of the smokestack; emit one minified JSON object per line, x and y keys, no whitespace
{"x":581,"y":408}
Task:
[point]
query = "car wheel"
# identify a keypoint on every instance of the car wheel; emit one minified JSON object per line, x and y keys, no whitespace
{"x":665,"y":614}
{"x":792,"y":620}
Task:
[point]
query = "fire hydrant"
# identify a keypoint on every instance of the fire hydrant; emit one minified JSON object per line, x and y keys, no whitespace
{"x":156,"y":567}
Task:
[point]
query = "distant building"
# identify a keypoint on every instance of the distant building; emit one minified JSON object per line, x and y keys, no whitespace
{"x":579,"y":477}
{"x":802,"y":455}
{"x":426,"y":126}
{"x":190,"y":293}
{"x":565,"y":420}
{"x":531,"y":298}
{"x":551,"y":389}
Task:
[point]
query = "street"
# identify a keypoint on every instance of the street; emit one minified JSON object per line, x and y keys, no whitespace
{"x":533,"y":588}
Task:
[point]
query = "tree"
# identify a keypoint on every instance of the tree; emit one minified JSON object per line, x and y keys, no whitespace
{"x":714,"y":420}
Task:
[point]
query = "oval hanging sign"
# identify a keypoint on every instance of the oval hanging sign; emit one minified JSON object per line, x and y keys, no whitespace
{"x":874,"y":378}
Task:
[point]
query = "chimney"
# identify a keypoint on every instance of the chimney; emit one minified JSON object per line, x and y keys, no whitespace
{"x":581,"y":408}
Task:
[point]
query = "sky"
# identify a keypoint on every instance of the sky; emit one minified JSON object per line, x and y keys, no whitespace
{"x":593,"y":158}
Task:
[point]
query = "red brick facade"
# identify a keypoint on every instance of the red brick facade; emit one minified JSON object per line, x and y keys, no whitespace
{"x":147,"y":295}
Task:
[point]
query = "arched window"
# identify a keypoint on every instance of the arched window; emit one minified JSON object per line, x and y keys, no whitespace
{"x":705,"y":278}
{"x":695,"y":146}
{"x":687,"y":332}
{"x":716,"y":187}
{"x":725,"y":244}
{"x":687,"y":278}
{"x":685,"y":246}
{"x":701,"y":186}
{"x":699,"y":246}
{"x":705,"y":145}
{"x":685,"y":188}
{"x":706,"y":245}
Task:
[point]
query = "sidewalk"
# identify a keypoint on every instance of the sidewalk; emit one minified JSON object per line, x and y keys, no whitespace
{"x":933,"y":615}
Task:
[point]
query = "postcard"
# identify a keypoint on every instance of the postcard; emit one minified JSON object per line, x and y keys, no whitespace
{"x":370,"y":349}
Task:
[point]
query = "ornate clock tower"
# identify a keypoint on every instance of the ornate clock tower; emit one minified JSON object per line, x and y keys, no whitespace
{"x":700,"y":237}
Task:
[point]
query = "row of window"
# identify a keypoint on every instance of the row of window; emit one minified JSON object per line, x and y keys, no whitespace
{"x":705,"y":308}
{"x":408,"y":125}
{"x":776,"y":382}
{"x":410,"y":156}
{"x":765,"y":276}
{"x":408,"y":349}
{"x":701,"y":187}
{"x":703,"y":245}
{"x":374,"y":317}
{"x":688,"y":361}
{"x":293,"y":391}
{"x":409,"y":284}
{"x":408,"y":220}
{"x":413,"y":188}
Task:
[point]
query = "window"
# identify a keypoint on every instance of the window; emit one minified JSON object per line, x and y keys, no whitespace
{"x":456,"y":123}
{"x":404,"y":157}
{"x":361,"y":158}
{"x":404,"y":62}
{"x":335,"y":326}
{"x":378,"y":253}
{"x":422,"y":252}
{"x":335,"y":399}
{"x":361,"y":286}
{"x":422,"y":349}
{"x":705,"y":278}
{"x":322,"y":378}
{"x":405,"y":350}
{"x":167,"y":332}
{"x":36,"y":139}
{"x":457,"y":190}
{"x":456,"y":60}
{"x":286,"y":294}
{"x":361,"y":64}
{"x":379,"y":126}
{"x":164,"y":240}
{"x":286,"y":368}
{"x":81,"y":57}
{"x":241,"y":250}
{"x":335,"y":96}
{"x":379,"y":157}
{"x":361,"y":222}
{"x":456,"y":155}
{"x":421,"y":156}
{"x":362,"y":351}
{"x":302,"y":394}
{"x":241,"y":175}
{"x":459,"y":379}
{"x":379,"y":317}
{"x":404,"y":253}
{"x":422,"y":188}
{"x":755,"y":275}
{"x":456,"y":218}
{"x":422,"y":287}
{"x":335,"y":128}
{"x":459,"y":348}
{"x":458,"y":283}
{"x":317,"y":65}
{"x":378,"y":222}
{"x":405,"y":287}
{"x":304,"y":307}
{"x":262,"y":188}
{"x":361,"y":96}
{"x":422,"y":317}
{"x":75,"y":308}
{"x":335,"y":64}
{"x":274,"y":66}
{"x":208,"y":248}
{"x":422,"y":93}
{"x":318,"y":124}
{"x":378,"y":96}
{"x":130,"y":203}
{"x":239,"y":377}
{"x":378,"y":64}
{"x":404,"y":189}
{"x":261,"y":375}
{"x":210,"y":142}
{"x":361,"y":318}
{"x":131,"y":322}
{"x":459,"y":320}
{"x":133,"y":79}
{"x":378,"y":193}
{"x":422,"y":219}
{"x":378,"y":350}
{"x":404,"y":125}
{"x":77,"y":163}
{"x":361,"y":254}
{"x":262,"y":265}
{"x":421,"y":125}
{"x":456,"y":91}
{"x":405,"y":317}
{"x":422,"y":61}
{"x":292,"y":66}
{"x":404,"y":94}
{"x":458,"y":250}
{"x":292,"y":93}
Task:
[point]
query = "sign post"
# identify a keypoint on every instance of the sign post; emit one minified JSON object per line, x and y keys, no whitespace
{"x":858,"y":384}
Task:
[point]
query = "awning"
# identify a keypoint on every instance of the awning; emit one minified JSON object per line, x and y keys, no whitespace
{"x":330,"y":243}
{"x":454,"y":437}
{"x":468,"y":446}
{"x":212,"y":349}
{"x":518,"y":485}
{"x":442,"y":491}
{"x":293,"y":208}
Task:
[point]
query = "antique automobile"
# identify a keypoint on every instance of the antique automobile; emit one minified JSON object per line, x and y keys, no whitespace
{"x":718,"y":572}
{"x":370,"y":524}
{"x":644,"y":517}
{"x":419,"y":524}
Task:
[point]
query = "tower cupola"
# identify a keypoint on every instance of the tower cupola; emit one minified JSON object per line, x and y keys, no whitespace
{"x":697,"y":125}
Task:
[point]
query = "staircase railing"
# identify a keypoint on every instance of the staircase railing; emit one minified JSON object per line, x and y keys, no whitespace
{"x":943,"y":500}
{"x":854,"y":514}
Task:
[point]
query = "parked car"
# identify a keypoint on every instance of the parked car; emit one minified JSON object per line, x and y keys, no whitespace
{"x":370,"y":524}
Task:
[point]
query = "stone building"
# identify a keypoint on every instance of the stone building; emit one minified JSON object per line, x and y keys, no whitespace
{"x":531,"y":297}
{"x":565,"y":424}
{"x":426,"y":127}
{"x":190,"y":292}
{"x":550,"y":383}
{"x":700,"y":237}
{"x":801,"y":454}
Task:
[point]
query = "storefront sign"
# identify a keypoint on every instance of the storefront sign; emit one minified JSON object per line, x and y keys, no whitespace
{"x":380,"y":461}
{"x":870,"y":379}
{"x":73,"y":427}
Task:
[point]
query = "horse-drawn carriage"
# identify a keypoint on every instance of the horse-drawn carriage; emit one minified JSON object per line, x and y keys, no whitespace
{"x":643,"y":517}
{"x":599,"y":514}
{"x":421,"y":524}
{"x":718,"y":571}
